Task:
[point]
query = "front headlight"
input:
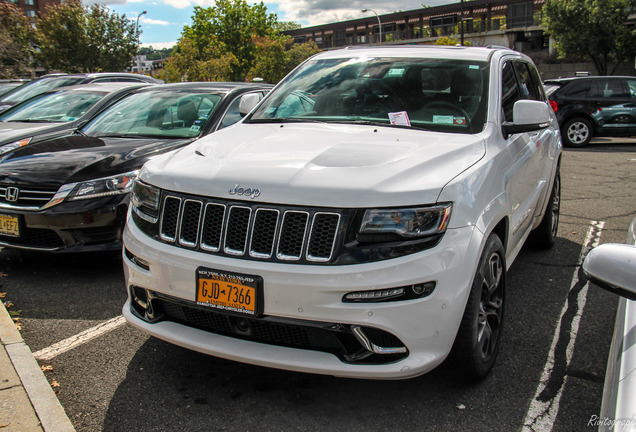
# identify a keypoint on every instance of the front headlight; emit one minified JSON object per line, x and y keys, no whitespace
{"x":399,"y":224}
{"x":107,"y":186}
{"x":14,"y":145}
{"x":145,"y":201}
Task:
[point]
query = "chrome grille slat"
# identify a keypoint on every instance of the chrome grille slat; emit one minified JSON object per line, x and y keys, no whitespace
{"x":190,"y":222}
{"x":254,"y":231}
{"x":290,"y":246}
{"x":212,"y":231}
{"x":28,"y":198}
{"x":236,"y":233}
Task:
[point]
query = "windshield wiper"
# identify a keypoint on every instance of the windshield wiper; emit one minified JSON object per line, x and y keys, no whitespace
{"x":142,"y":136}
{"x":286,"y":120}
{"x":32,"y":121}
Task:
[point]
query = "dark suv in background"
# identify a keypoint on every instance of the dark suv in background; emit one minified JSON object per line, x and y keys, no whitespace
{"x":593,"y":106}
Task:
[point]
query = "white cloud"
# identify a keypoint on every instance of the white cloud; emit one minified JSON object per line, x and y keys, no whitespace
{"x":159,"y":45}
{"x":315,"y":12}
{"x":151,"y":21}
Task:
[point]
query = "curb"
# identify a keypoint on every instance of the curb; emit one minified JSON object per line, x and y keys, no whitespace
{"x":44,"y":401}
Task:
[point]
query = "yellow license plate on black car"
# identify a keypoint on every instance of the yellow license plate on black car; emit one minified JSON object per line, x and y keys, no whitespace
{"x":229,"y":292}
{"x":9,"y":226}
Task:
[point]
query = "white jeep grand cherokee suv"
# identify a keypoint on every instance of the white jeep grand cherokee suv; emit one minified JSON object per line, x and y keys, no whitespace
{"x":359,"y":222}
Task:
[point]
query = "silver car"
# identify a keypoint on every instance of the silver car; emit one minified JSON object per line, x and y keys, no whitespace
{"x":612,"y":266}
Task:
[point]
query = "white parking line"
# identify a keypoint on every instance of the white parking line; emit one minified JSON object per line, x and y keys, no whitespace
{"x":545,"y":404}
{"x":68,"y":344}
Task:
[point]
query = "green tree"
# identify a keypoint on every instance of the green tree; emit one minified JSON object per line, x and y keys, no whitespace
{"x":76,"y":39}
{"x":16,"y":41}
{"x":188,"y":64}
{"x":275,"y":58}
{"x":229,"y":27}
{"x":594,"y":30}
{"x":155,"y":54}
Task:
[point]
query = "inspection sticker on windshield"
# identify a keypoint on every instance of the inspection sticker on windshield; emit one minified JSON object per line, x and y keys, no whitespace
{"x":443,"y":119}
{"x":399,"y":118}
{"x":229,"y":292}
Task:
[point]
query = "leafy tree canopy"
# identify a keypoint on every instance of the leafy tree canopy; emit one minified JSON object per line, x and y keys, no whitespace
{"x":275,"y":58}
{"x":155,"y":54}
{"x":229,"y":27}
{"x":16,"y":41}
{"x":594,"y":30}
{"x":72,"y":38}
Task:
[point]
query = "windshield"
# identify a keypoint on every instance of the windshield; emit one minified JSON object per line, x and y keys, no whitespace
{"x":53,"y":107}
{"x":160,"y":113}
{"x":35,"y":88}
{"x":440,"y":95}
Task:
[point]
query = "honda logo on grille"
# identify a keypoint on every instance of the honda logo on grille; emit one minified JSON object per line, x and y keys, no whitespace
{"x":12,"y":194}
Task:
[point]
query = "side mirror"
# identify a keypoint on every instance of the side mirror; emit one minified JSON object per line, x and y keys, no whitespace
{"x":528,"y":116}
{"x":248,"y":102}
{"x":612,"y":266}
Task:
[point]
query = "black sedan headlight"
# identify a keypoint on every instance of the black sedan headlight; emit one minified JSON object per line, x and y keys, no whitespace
{"x":400,"y":224}
{"x":102,"y":187}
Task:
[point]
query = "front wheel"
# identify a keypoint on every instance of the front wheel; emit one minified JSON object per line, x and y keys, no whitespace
{"x":477,"y":343}
{"x":577,"y":132}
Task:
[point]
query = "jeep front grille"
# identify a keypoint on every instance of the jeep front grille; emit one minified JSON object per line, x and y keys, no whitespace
{"x":240,"y":229}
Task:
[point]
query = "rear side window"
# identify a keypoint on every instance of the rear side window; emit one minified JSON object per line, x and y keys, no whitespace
{"x":579,"y":89}
{"x":612,"y":89}
{"x":631,"y":84}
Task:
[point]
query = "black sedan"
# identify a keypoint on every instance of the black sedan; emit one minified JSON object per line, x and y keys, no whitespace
{"x":71,"y":193}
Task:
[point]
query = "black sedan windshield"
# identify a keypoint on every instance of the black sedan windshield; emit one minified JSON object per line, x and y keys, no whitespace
{"x":443,"y":95}
{"x":161,"y":113}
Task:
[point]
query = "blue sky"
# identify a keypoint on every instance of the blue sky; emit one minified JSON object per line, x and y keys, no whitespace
{"x":161,"y":26}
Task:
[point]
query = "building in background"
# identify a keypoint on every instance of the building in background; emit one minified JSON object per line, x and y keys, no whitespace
{"x":511,"y":23}
{"x":33,"y":8}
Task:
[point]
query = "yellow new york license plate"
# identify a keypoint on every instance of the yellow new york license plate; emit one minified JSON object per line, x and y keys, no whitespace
{"x":231,"y":292}
{"x":9,"y":226}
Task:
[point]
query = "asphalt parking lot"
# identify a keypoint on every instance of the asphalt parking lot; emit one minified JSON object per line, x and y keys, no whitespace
{"x":549,"y":375}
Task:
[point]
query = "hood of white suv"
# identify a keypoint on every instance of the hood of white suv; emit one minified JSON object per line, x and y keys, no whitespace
{"x":318,"y":164}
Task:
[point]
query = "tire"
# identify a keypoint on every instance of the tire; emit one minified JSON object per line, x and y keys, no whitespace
{"x":577,"y":132}
{"x":477,"y":342}
{"x":544,"y":236}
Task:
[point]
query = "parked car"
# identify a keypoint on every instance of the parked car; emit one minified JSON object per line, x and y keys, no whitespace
{"x":6,"y":85}
{"x":613,"y":267}
{"x":57,"y":112}
{"x":359,"y":222}
{"x":71,"y":193}
{"x":593,"y":106}
{"x":53,"y":81}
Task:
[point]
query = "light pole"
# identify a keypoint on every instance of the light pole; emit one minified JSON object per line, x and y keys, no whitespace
{"x":461,"y":21}
{"x":138,"y":42}
{"x":378,"y":17}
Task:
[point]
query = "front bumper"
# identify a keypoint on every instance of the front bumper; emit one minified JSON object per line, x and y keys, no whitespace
{"x":301,"y":294}
{"x":79,"y":226}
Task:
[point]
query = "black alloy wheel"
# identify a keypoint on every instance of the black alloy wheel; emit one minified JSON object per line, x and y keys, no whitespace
{"x":478,"y":339}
